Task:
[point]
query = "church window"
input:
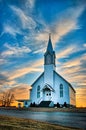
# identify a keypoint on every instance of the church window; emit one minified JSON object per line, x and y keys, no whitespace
{"x":49,"y":94}
{"x":61,"y":90}
{"x":38,"y":92}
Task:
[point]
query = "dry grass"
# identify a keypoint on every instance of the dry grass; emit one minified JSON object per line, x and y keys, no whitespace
{"x":12,"y":123}
{"x":79,"y":110}
{"x":38,"y":109}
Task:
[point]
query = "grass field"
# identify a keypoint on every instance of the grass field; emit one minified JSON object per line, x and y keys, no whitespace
{"x":12,"y":123}
{"x":37,"y":109}
{"x":79,"y":110}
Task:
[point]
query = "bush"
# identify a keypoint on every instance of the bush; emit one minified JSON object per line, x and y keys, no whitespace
{"x":58,"y":105}
{"x":33,"y":105}
{"x":65,"y":104}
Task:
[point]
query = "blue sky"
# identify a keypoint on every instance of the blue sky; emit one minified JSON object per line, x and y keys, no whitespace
{"x":24,"y":29}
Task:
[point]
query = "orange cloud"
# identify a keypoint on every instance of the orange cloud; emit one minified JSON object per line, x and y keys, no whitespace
{"x":65,"y":52}
{"x":81,"y":97}
{"x":22,"y":71}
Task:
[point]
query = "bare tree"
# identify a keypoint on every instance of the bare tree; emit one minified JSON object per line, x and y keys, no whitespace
{"x":7,"y":98}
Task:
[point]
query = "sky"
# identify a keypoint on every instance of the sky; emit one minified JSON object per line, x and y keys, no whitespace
{"x":24,"y":31}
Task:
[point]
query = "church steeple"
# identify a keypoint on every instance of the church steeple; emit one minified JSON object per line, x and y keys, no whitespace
{"x":49,"y":47}
{"x":49,"y":63}
{"x":49,"y":56}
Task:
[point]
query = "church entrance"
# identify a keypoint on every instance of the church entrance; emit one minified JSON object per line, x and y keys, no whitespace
{"x":47,"y":94}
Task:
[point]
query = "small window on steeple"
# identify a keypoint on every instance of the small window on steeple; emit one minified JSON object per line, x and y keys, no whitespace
{"x":48,"y":59}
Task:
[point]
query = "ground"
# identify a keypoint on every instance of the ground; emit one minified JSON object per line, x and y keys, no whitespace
{"x":38,"y":109}
{"x":57,"y":109}
{"x":12,"y":123}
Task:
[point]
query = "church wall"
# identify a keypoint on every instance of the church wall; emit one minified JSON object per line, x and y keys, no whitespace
{"x":48,"y":74}
{"x":72,"y":97}
{"x":56,"y":95}
{"x":33,"y":96}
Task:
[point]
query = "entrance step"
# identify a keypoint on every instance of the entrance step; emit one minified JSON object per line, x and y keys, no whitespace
{"x":46,"y":104}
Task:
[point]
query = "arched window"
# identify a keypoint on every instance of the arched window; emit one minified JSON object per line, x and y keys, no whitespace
{"x":61,"y":90}
{"x":38,"y":92}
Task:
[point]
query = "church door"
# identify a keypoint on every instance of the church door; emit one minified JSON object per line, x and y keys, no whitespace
{"x":47,"y":95}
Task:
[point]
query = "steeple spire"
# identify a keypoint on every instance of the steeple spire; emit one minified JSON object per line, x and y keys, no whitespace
{"x":50,"y":36}
{"x":49,"y":47}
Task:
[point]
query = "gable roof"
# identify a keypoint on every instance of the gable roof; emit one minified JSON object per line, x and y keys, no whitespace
{"x":65,"y":81}
{"x":37,"y":79}
{"x":48,"y":86}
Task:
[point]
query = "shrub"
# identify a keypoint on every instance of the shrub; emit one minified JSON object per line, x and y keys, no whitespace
{"x":58,"y":105}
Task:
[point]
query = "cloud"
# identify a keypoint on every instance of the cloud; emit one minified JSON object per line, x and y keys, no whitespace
{"x":37,"y":41}
{"x":9,"y":78}
{"x":73,"y":70}
{"x":21,"y":91}
{"x":41,"y":36}
{"x":26,"y":20}
{"x":66,"y":52}
{"x":67,"y":22}
{"x":82,"y":84}
{"x":10,"y":29}
{"x":14,"y":50}
{"x":81,"y":96}
{"x":30,"y":4}
{"x":39,"y":51}
{"x":76,"y":79}
{"x":84,"y":45}
{"x":11,"y":83}
{"x":5,"y":83}
{"x":71,"y":63}
{"x":23,"y":71}
{"x":3,"y":79}
{"x":3,"y":61}
{"x":75,"y":62}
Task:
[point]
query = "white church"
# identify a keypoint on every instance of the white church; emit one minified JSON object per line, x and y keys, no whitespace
{"x":51,"y":88}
